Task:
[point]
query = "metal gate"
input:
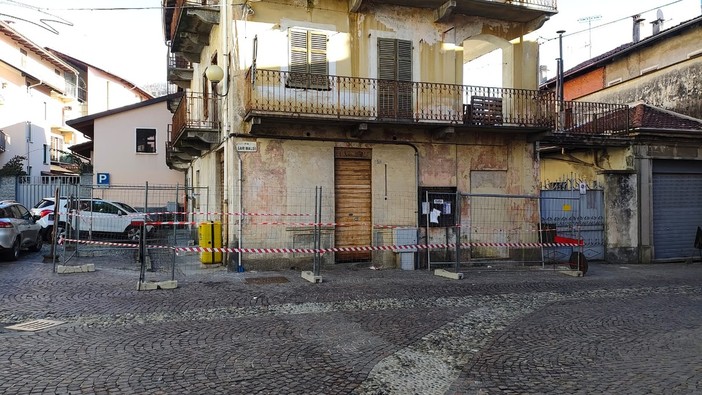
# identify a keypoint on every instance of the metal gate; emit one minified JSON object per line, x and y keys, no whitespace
{"x":576,"y":214}
{"x":31,"y":189}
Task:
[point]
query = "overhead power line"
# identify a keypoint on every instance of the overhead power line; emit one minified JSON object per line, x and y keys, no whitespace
{"x":610,"y":22}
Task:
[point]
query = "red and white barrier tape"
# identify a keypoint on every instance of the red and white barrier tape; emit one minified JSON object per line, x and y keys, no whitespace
{"x":324,"y":250}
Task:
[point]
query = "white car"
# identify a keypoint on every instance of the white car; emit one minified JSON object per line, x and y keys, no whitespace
{"x":95,"y":217}
{"x":44,"y":210}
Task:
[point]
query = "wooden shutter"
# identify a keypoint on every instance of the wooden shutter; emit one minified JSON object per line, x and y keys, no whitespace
{"x":319,"y":68}
{"x":386,"y":76}
{"x":308,"y":60}
{"x":404,"y":75}
{"x":298,"y":59}
{"x":395,"y":78}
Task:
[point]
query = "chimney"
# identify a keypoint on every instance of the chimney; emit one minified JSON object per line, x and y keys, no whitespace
{"x":658,"y":23}
{"x":543,"y":73}
{"x":637,"y":27}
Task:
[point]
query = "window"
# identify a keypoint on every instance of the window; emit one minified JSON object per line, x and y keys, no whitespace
{"x":145,"y":140}
{"x":395,"y":78}
{"x":308,"y":60}
{"x":56,"y":148}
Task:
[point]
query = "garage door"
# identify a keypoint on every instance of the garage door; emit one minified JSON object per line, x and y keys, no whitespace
{"x":677,"y":208}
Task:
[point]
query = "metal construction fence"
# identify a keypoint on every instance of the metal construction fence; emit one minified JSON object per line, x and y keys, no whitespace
{"x":496,"y":230}
{"x":172,"y":230}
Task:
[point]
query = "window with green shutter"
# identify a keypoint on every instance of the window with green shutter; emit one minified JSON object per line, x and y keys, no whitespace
{"x":395,"y":78}
{"x":308,"y":67}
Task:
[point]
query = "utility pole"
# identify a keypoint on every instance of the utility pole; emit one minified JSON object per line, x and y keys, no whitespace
{"x":559,"y":80}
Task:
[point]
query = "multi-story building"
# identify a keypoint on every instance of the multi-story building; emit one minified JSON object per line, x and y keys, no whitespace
{"x":99,"y":90}
{"x":364,"y":99}
{"x":39,"y":92}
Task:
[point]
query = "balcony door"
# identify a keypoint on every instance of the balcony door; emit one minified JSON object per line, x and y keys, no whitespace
{"x":394,"y":78}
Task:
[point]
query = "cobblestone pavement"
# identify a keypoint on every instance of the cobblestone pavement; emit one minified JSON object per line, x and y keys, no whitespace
{"x":619,"y":330}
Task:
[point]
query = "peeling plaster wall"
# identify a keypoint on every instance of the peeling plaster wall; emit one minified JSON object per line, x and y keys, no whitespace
{"x":273,"y":176}
{"x":621,"y":216}
{"x":677,"y":88}
{"x":585,"y":165}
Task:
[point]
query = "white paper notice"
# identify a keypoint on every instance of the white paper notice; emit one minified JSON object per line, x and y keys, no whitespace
{"x":425,"y":208}
{"x":434,"y":216}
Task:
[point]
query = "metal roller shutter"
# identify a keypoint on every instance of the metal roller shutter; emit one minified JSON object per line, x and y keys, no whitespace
{"x":677,"y":208}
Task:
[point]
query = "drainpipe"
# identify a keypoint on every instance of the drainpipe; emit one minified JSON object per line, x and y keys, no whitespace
{"x":29,"y":87}
{"x":28,"y":138}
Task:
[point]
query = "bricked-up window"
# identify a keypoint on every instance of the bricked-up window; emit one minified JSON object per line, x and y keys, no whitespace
{"x":438,"y":206}
{"x":308,"y":67}
{"x":146,"y":140}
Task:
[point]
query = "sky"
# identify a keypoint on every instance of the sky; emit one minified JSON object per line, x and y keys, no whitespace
{"x":594,"y":27}
{"x":125,"y":37}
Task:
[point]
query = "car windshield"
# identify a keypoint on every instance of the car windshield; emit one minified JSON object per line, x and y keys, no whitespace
{"x":44,"y":203}
{"x":126,"y":207}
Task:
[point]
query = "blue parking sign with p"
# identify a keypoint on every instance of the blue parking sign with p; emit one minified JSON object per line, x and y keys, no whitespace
{"x":103,"y":179}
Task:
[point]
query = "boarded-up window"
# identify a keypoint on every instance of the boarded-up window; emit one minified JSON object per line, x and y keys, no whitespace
{"x":308,"y":60}
{"x":395,"y":75}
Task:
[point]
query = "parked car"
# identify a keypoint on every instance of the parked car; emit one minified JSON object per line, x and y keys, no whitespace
{"x":44,"y":209}
{"x":97,"y":217}
{"x":18,"y":230}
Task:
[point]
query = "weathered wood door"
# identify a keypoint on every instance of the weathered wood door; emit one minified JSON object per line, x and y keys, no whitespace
{"x":352,"y":189}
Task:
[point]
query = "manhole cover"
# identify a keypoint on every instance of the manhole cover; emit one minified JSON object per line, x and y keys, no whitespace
{"x":266,"y":280}
{"x":35,"y":325}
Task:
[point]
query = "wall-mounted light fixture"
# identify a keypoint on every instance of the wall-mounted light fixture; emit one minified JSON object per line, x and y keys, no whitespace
{"x":215,"y":74}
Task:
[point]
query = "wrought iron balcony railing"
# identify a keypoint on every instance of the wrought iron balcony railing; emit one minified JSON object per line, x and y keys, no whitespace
{"x":592,"y":118}
{"x":176,"y":61}
{"x":366,"y":99}
{"x":285,"y":94}
{"x":195,"y":112}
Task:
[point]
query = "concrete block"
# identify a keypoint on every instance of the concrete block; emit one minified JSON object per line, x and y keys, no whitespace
{"x":448,"y":274}
{"x":62,"y":269}
{"x":153,"y":285}
{"x":309,"y":276}
{"x":573,"y":273}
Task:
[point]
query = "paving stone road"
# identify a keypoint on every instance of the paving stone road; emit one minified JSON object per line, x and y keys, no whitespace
{"x":633,"y":329}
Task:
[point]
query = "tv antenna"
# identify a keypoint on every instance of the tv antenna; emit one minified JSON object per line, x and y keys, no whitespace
{"x":589,"y":20}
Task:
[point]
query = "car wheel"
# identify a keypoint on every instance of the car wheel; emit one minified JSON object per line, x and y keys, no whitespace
{"x":60,"y":231}
{"x":133,"y":233}
{"x":38,"y":243}
{"x":47,"y":233}
{"x":13,"y":253}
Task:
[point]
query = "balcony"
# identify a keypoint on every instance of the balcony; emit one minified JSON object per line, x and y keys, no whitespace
{"x":279,"y":95}
{"x":180,"y":70}
{"x":195,"y":128}
{"x":188,"y":24}
{"x":505,"y":10}
{"x":274,"y":94}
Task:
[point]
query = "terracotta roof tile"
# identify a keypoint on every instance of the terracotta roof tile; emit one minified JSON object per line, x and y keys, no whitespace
{"x":649,"y":117}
